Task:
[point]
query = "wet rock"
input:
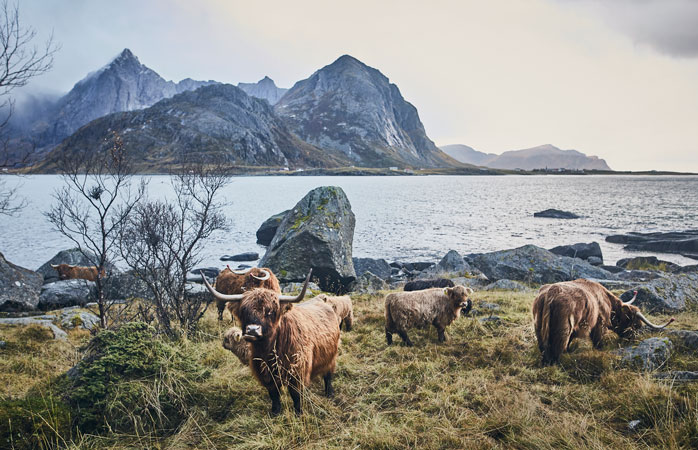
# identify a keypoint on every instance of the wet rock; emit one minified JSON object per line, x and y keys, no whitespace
{"x":378,"y":267}
{"x":681,"y":242}
{"x":266,"y":232}
{"x":247,"y":256}
{"x":532,"y":264}
{"x":60,"y":294}
{"x":667,"y":294}
{"x":368,"y":283}
{"x":646,"y":263}
{"x":612,"y":269}
{"x":506,"y":285}
{"x":46,"y":323}
{"x":19,"y":287}
{"x":581,"y":251}
{"x":648,"y":355}
{"x":317,"y":233}
{"x":595,"y":261}
{"x":556,"y":214}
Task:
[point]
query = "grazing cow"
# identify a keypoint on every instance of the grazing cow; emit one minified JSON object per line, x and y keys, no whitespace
{"x":438,"y":307}
{"x":69,"y":272}
{"x":236,"y":282}
{"x":342,"y":307}
{"x":233,"y":341}
{"x":289,"y":345}
{"x":420,"y":285}
{"x":581,"y":308}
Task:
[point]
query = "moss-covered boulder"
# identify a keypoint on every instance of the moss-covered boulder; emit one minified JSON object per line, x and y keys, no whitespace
{"x":667,"y":294}
{"x":19,"y":287}
{"x":317,"y":233}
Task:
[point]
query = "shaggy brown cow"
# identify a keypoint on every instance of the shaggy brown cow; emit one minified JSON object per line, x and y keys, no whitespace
{"x":233,"y":341}
{"x":236,"y":282}
{"x":342,"y":307}
{"x":68,"y":272}
{"x":580,"y":308}
{"x":290,"y":345}
{"x":438,"y":307}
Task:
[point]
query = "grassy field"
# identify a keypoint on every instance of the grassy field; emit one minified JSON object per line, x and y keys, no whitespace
{"x":483,"y":388}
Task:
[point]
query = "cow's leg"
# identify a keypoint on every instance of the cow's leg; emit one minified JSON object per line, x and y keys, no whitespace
{"x":597,"y":334}
{"x":388,"y":337}
{"x":341,"y":322}
{"x":221,"y":308}
{"x":349,"y":322}
{"x":295,"y":390}
{"x":329,"y":390}
{"x":275,"y":397}
{"x":405,"y":338}
{"x":440,"y":331}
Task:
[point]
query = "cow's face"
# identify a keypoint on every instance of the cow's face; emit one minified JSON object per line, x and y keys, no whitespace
{"x":231,"y":337}
{"x":259,"y":313}
{"x":458,"y":296}
{"x":628,"y":320}
{"x":64,"y":271}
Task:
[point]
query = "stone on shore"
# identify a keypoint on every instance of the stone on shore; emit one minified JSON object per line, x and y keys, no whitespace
{"x":451,"y":265}
{"x":368,"y":283}
{"x":60,"y":294}
{"x":246,"y":256}
{"x":266,"y":232}
{"x":581,"y":251}
{"x":556,"y":214}
{"x":19,"y":287}
{"x":378,"y":267}
{"x":667,"y":294}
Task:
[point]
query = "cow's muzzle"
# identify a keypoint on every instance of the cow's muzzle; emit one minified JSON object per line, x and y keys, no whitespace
{"x":466,"y":306}
{"x":253,"y":332}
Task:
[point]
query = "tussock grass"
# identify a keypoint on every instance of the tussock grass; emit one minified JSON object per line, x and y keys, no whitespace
{"x":483,"y":388}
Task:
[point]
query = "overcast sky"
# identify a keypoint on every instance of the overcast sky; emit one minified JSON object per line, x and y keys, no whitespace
{"x":617,"y":79}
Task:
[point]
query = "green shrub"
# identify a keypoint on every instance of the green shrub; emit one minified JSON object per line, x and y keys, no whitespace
{"x":132,"y":381}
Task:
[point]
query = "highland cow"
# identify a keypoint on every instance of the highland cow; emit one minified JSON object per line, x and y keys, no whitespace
{"x":581,"y":309}
{"x":289,"y":345}
{"x":438,"y":307}
{"x":342,"y":307}
{"x":69,"y":272}
{"x":420,"y":285}
{"x":236,"y":282}
{"x":233,"y":341}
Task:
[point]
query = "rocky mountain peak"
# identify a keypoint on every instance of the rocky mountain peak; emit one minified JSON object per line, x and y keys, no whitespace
{"x":265,"y":89}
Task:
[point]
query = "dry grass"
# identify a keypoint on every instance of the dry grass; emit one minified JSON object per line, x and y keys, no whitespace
{"x":483,"y":388}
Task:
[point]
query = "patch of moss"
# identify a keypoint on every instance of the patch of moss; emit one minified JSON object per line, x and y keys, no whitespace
{"x":300,"y":221}
{"x":34,"y":422}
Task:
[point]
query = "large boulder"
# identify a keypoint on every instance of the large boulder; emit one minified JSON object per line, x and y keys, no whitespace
{"x":533,"y":264}
{"x":667,"y":294}
{"x":378,"y":267}
{"x":60,"y":294}
{"x":451,"y":265}
{"x":266,"y":232}
{"x":369,"y":283}
{"x":647,"y":263}
{"x":682,"y":242}
{"x":19,"y":287}
{"x":581,"y":251}
{"x":317,"y":233}
{"x":648,"y":355}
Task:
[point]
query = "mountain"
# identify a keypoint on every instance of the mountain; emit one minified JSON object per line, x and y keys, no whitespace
{"x":122,"y":85}
{"x":218,"y":120}
{"x":540,"y":157}
{"x":265,"y":89}
{"x":352,"y":108}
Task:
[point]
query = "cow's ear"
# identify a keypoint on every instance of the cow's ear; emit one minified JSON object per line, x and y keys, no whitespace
{"x":469,"y":291}
{"x":285,"y":307}
{"x":448,"y":291}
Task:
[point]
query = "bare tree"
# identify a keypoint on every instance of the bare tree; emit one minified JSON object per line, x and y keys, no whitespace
{"x":20,"y":61}
{"x":95,"y":202}
{"x":160,"y":243}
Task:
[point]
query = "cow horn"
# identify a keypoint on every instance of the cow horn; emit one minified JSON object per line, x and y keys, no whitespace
{"x":218,"y":295}
{"x":262,"y":278}
{"x":651,"y":325}
{"x":54,"y":266}
{"x":630,"y":302}
{"x":299,"y":297}
{"x":241,"y":272}
{"x":72,"y":266}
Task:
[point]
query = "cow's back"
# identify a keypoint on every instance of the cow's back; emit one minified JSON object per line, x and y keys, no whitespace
{"x":417,"y":308}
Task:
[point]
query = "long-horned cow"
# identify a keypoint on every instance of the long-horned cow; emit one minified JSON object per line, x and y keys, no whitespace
{"x":581,"y":308}
{"x":70,"y":272}
{"x":238,"y":281}
{"x":289,"y":345}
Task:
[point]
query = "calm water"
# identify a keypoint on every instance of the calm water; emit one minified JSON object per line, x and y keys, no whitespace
{"x":414,"y":218}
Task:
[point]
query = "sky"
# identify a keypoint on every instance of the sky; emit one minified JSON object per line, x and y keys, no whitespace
{"x":617,"y":79}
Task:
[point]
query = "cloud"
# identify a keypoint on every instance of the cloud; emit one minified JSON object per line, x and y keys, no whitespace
{"x":668,"y":26}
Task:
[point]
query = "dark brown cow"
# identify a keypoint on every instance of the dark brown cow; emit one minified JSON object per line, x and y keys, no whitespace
{"x":581,"y":308}
{"x":236,"y":282}
{"x":68,"y":272}
{"x":290,"y":345}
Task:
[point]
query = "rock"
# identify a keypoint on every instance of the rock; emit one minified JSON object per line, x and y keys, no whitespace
{"x":195,"y":279}
{"x":247,"y":256}
{"x":638,"y":275}
{"x":532,"y":264}
{"x":581,"y":251}
{"x":417,"y":266}
{"x":617,"y":285}
{"x":267,"y":230}
{"x":476,"y":283}
{"x":210,"y":272}
{"x":72,"y":256}
{"x":46,"y":323}
{"x":612,"y":269}
{"x":495,"y":320}
{"x":19,"y":287}
{"x":556,"y":214}
{"x":396,"y":265}
{"x":452,"y":264}
{"x":667,"y":294}
{"x":633,"y":425}
{"x":80,"y":319}
{"x":289,"y":288}
{"x":60,"y":294}
{"x":648,"y":355}
{"x":368,"y":283}
{"x":686,"y":338}
{"x":595,"y":261}
{"x":3,"y":344}
{"x":646,"y":263}
{"x":686,"y":269}
{"x":677,"y":375}
{"x":122,"y":286}
{"x":317,"y":233}
{"x":681,"y":242}
{"x":378,"y":267}
{"x":485,"y":308}
{"x":506,"y":285}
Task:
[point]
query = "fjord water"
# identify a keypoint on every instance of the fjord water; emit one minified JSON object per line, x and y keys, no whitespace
{"x":413,"y":218}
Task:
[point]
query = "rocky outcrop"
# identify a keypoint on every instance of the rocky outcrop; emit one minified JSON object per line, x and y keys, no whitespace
{"x":317,"y":233}
{"x":451,"y":265}
{"x":42,"y":321}
{"x":265,"y":89}
{"x":506,"y":285}
{"x":648,"y":355}
{"x":267,"y":230}
{"x":368,"y":283}
{"x":647,"y":263}
{"x":71,"y":256}
{"x":19,"y":287}
{"x":581,"y":251}
{"x":667,"y":294}
{"x":681,"y":242}
{"x":378,"y":267}
{"x":556,"y":214}
{"x":60,"y":294}
{"x":532,"y":264}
